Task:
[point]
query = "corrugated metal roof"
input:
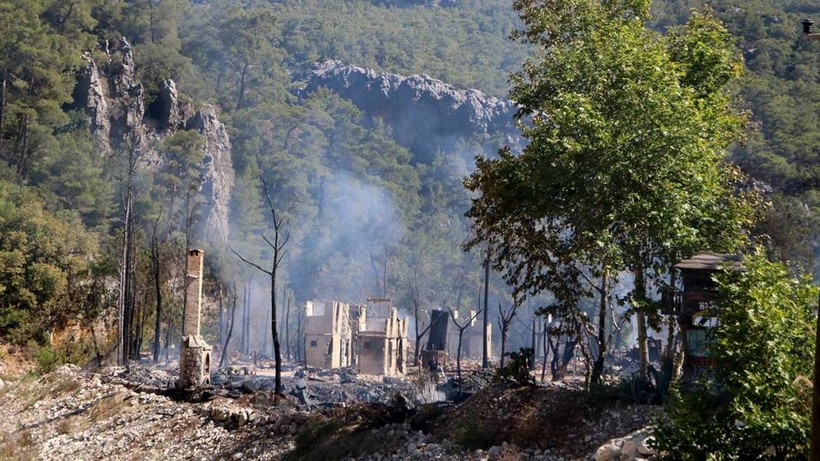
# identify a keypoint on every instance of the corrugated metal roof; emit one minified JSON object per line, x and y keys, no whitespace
{"x":711,"y":261}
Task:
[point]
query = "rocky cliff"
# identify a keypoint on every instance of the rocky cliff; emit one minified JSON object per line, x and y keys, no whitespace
{"x":119,"y":120}
{"x":426,"y":114}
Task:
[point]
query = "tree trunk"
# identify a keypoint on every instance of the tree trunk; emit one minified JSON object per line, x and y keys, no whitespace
{"x":546,"y":345}
{"x":598,"y":365}
{"x":485,"y":352}
{"x":220,"y":316}
{"x":23,"y":153}
{"x":158,"y":293}
{"x":287,"y":326}
{"x":458,"y":358}
{"x":274,"y":330}
{"x":562,"y":361}
{"x":244,"y":340}
{"x":125,"y":279}
{"x":3,"y":109}
{"x":300,"y":338}
{"x":241,"y":97}
{"x":232,"y":320}
{"x":640,"y":299}
{"x":504,"y":333}
{"x":532,"y":346}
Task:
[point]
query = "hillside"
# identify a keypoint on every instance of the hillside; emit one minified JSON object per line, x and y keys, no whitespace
{"x":371,"y":187}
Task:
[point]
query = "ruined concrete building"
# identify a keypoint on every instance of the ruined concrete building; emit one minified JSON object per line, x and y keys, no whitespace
{"x":370,"y":337}
{"x":442,"y":340}
{"x":331,"y":332}
{"x":435,"y":351}
{"x":195,"y":354}
{"x":383,"y":341}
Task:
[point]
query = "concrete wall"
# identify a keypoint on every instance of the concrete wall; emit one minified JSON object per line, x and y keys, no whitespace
{"x":372,"y":354}
{"x":328,"y":334}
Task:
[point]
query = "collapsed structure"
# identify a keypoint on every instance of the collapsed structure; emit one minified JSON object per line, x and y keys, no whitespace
{"x":195,"y":354}
{"x":330,"y":334}
{"x":442,"y":341}
{"x":370,"y":337}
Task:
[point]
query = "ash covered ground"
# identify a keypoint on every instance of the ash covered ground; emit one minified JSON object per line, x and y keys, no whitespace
{"x":135,"y":413}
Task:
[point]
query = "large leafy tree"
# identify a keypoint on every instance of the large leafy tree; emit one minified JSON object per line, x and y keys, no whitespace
{"x":42,"y":256}
{"x":624,"y":170}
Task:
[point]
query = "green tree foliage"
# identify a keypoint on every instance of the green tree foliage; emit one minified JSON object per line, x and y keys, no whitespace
{"x":42,"y":255}
{"x":249,"y":58}
{"x":759,"y":403}
{"x":40,"y":50}
{"x":624,"y":169}
{"x":782,"y":93}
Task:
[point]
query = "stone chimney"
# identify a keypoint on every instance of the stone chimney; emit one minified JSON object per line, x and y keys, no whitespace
{"x":194,"y":354}
{"x":193,"y":292}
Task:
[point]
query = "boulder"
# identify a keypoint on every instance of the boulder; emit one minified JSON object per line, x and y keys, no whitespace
{"x":608,"y":452}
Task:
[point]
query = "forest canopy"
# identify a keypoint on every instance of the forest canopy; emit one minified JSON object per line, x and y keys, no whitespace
{"x":368,"y":215}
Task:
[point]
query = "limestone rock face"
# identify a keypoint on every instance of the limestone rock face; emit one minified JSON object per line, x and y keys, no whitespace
{"x":93,"y":98}
{"x":169,"y":111}
{"x":420,"y":109}
{"x":119,"y":119}
{"x":218,"y":170}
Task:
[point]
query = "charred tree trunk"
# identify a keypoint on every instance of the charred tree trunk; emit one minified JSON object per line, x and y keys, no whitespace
{"x":280,"y":240}
{"x":231,"y":321}
{"x":246,"y":307}
{"x":287,"y":326}
{"x":504,"y":322}
{"x":461,"y":329}
{"x":125,"y":298}
{"x":414,"y":294}
{"x":155,"y":262}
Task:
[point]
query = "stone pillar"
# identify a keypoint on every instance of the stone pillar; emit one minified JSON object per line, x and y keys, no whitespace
{"x":194,"y":354}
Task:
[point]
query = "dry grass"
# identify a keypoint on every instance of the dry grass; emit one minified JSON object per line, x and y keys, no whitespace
{"x":66,"y":426}
{"x":17,"y":447}
{"x":47,"y":387}
{"x":108,"y":407}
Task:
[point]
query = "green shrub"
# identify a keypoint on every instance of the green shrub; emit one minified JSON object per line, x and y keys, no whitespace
{"x":517,"y":368}
{"x":758,"y":404}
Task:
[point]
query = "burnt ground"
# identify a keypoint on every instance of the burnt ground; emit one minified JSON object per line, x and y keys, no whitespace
{"x":119,"y":415}
{"x":500,"y":421}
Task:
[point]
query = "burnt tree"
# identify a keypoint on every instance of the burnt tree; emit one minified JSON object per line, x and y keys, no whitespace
{"x":505,"y":318}
{"x":232,"y":296}
{"x":461,"y":328}
{"x":280,"y":240}
{"x":414,"y":295}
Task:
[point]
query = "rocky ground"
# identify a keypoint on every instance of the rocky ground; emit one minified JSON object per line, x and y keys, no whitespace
{"x":134,"y":414}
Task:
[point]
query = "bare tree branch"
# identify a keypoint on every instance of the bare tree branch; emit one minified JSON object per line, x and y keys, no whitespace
{"x":250,"y":262}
